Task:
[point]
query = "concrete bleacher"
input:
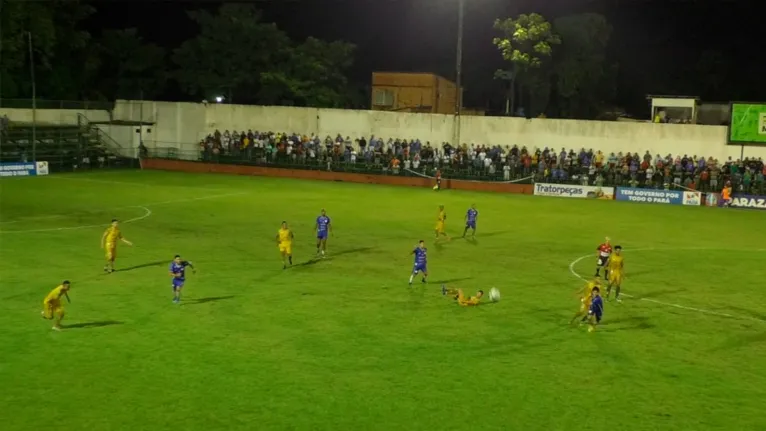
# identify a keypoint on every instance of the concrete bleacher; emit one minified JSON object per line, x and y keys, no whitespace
{"x":62,"y":146}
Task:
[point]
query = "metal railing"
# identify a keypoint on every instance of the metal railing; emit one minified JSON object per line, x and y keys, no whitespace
{"x":102,"y":137}
{"x":56,"y":104}
{"x":382,"y":166}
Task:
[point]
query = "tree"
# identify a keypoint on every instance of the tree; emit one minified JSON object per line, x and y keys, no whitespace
{"x":585,"y":81}
{"x":58,"y":45}
{"x":233,"y":48}
{"x":527,"y":43}
{"x":238,"y":55}
{"x":129,"y":67}
{"x":312,"y":77}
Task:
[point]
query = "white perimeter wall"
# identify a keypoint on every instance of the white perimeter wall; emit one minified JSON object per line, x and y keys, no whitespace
{"x":53,"y":116}
{"x":182,"y":125}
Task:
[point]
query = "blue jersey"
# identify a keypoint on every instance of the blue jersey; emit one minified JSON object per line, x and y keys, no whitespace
{"x":470,"y":216}
{"x":597,"y":306}
{"x":179,"y":269}
{"x":323,"y":224}
{"x":420,"y":256}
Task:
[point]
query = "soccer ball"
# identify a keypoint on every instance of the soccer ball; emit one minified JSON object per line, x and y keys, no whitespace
{"x":494,"y":294}
{"x":436,"y":187}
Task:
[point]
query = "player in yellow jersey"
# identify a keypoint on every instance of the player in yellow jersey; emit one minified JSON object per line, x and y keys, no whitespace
{"x":285,"y":243}
{"x":109,"y":240}
{"x":441,"y":220}
{"x":461,"y":298}
{"x":586,"y":297}
{"x":52,"y":306}
{"x":616,"y":265}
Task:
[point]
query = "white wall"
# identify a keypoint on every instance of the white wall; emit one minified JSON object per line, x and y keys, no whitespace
{"x":179,"y":125}
{"x":53,"y":116}
{"x":182,"y":125}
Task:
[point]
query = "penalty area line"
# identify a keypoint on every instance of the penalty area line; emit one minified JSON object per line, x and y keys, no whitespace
{"x":147,"y":213}
{"x":667,"y":304}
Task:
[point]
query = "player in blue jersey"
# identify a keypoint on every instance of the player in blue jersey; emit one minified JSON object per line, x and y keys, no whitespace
{"x":178,"y":272}
{"x":324,"y":228}
{"x":596,"y":310}
{"x":470,"y":220}
{"x":421,"y":261}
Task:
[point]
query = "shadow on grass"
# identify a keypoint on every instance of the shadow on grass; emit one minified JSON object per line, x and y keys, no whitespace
{"x":143,"y":265}
{"x":208,"y":299}
{"x":470,"y":239}
{"x":450,"y":280}
{"x":635,"y":323}
{"x":88,"y":325}
{"x":330,"y":256}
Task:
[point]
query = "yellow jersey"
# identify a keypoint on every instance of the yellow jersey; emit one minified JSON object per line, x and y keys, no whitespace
{"x":462,"y":300}
{"x":55,"y":295}
{"x":442,"y":217}
{"x":285,"y":235}
{"x":113,"y":234}
{"x":587,"y":292}
{"x":616,"y":263}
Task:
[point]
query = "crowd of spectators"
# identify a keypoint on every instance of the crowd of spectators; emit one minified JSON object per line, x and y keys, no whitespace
{"x":509,"y":163}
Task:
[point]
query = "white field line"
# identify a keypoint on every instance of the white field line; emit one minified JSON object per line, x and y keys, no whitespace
{"x":668,"y":304}
{"x":147,"y":213}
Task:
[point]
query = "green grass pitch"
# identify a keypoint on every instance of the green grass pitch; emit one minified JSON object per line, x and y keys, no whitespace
{"x":343,"y":343}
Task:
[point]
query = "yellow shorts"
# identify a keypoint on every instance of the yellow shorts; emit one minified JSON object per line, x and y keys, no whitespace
{"x":286,"y":247}
{"x":440,"y":227}
{"x":111,"y":251}
{"x":584,"y":305}
{"x":52,"y":309}
{"x":615,"y":278}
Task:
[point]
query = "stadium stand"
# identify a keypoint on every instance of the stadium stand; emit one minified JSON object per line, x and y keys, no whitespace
{"x":65,"y":148}
{"x":482,"y":162}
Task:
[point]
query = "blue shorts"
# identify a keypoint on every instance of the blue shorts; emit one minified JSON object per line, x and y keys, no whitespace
{"x":471,"y":224}
{"x":419,"y":268}
{"x":177,"y":283}
{"x":595,"y":313}
{"x":322,"y":235}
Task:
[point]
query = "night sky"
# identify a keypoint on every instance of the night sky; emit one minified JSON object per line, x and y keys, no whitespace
{"x":656,"y":43}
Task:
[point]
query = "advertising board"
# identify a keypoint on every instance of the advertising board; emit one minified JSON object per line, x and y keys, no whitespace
{"x":573,"y":191}
{"x":23,"y":169}
{"x":667,"y":197}
{"x":749,"y":201}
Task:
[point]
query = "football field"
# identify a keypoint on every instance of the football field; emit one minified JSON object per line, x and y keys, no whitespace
{"x":343,"y":343}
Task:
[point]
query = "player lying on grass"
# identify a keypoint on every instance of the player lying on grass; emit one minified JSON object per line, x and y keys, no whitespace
{"x":459,"y":296}
{"x":52,"y":306}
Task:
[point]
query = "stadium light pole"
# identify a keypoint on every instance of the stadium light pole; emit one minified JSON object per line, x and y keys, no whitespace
{"x":459,"y":71}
